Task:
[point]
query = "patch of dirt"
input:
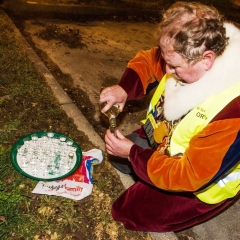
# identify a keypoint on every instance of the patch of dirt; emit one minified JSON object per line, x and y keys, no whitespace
{"x":68,"y":35}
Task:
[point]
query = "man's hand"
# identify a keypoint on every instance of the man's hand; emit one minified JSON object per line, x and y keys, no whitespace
{"x":117,"y":145}
{"x":113,"y":95}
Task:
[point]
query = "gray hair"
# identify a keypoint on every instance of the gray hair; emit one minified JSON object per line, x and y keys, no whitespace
{"x":192,"y":28}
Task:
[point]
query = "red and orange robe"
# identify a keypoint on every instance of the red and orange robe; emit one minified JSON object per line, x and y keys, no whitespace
{"x":163,"y":199}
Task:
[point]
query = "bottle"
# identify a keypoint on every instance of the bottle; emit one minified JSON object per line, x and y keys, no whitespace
{"x":112,"y":114}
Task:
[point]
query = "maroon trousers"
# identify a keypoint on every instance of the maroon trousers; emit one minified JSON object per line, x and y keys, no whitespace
{"x":145,"y":208}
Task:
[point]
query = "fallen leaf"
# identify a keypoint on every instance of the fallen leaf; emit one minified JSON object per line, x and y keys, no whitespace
{"x":2,"y":218}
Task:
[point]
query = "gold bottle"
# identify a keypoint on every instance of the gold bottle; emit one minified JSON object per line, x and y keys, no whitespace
{"x":112,"y":114}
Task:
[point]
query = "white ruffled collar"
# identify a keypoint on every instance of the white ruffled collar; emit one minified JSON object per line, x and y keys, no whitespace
{"x":181,"y":98}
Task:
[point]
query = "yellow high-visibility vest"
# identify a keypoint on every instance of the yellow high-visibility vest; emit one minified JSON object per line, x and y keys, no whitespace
{"x":229,"y":185}
{"x":156,"y":96}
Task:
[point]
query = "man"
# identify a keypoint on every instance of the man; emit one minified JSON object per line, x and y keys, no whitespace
{"x":186,"y":154}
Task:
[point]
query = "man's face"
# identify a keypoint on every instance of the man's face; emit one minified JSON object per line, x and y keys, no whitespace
{"x":177,"y":66}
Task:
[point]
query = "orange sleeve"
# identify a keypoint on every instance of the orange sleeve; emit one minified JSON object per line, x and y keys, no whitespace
{"x":149,"y":65}
{"x":200,"y":162}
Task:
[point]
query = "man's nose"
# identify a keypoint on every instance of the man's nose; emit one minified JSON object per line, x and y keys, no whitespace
{"x":170,"y":70}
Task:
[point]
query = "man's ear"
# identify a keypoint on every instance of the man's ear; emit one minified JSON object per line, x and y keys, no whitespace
{"x":208,"y":59}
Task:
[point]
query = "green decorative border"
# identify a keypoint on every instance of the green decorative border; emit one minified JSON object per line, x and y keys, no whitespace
{"x":13,"y":156}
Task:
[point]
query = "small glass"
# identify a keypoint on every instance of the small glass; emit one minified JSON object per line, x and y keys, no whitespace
{"x":34,"y":171}
{"x":56,"y":141}
{"x":51,"y":155}
{"x":33,"y":160}
{"x":24,"y":165}
{"x":26,"y":143}
{"x":50,"y":136}
{"x":73,"y":149}
{"x":34,"y":138}
{"x":35,"y":150}
{"x":69,"y":143}
{"x":30,"y":150}
{"x":47,"y":150}
{"x":45,"y":172}
{"x":44,"y":141}
{"x":40,"y":152}
{"x":21,"y":150}
{"x":23,"y":160}
{"x":62,"y":161}
{"x":56,"y":149}
{"x":63,"y":154}
{"x":43,"y":164}
{"x":56,"y":170}
{"x":62,"y":140}
{"x":67,"y":167}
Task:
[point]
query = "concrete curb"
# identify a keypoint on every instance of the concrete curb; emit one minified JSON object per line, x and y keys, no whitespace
{"x":73,"y":112}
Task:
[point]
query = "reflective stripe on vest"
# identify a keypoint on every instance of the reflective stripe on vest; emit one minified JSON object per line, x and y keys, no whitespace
{"x":194,"y":122}
{"x":226,"y":187}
